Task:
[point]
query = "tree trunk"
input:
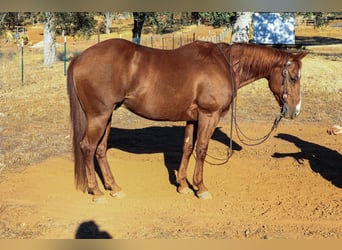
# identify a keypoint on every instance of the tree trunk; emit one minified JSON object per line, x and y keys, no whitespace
{"x":139,"y":19}
{"x":49,"y":39}
{"x":109,"y":17}
{"x":240,"y":32}
{"x":2,"y":19}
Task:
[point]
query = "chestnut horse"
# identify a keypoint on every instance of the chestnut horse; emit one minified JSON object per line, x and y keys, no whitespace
{"x":195,"y":83}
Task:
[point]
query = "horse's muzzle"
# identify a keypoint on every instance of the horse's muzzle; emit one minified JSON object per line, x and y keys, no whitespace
{"x":290,"y":112}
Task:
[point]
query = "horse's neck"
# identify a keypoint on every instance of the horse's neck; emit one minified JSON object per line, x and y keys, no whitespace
{"x":243,"y":81}
{"x":246,"y":77}
{"x":251,"y":63}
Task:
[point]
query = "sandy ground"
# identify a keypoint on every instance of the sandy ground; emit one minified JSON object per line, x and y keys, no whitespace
{"x":288,"y":187}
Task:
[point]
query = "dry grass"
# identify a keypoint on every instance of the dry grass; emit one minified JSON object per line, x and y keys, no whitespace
{"x":34,"y":118}
{"x":35,"y":123}
{"x":325,"y":31}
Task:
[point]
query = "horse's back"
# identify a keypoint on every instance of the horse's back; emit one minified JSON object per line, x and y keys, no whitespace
{"x":121,"y":52}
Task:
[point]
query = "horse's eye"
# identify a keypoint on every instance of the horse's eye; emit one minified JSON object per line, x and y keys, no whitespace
{"x":293,"y":79}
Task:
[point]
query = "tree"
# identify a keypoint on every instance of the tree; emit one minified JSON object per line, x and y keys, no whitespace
{"x":12,"y":20}
{"x":73,"y":24}
{"x":241,"y":26}
{"x":163,"y":21}
{"x":2,"y":18}
{"x":2,"y":21}
{"x":109,"y":17}
{"x":49,"y":38}
{"x":139,"y":19}
{"x":167,"y":22}
{"x":216,"y":19}
{"x":321,"y":18}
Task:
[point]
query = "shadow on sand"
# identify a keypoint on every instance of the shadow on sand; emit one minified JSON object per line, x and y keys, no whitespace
{"x":317,"y":40}
{"x":166,"y":140}
{"x":322,"y":160}
{"x":90,"y":230}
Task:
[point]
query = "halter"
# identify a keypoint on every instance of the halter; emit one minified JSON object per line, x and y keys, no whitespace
{"x":284,"y":74}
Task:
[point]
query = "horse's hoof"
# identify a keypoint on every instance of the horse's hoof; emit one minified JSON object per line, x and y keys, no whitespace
{"x":205,"y":195}
{"x":99,"y":199}
{"x":119,"y":194}
{"x":185,"y":190}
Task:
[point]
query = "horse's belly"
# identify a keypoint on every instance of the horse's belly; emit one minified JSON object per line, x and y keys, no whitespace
{"x":161,"y":111}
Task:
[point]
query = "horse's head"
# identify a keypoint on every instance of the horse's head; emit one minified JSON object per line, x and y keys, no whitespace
{"x":284,"y":81}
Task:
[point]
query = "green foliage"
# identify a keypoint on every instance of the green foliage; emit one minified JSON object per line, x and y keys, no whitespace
{"x":163,"y":22}
{"x":10,"y":20}
{"x":80,"y":24}
{"x":166,"y":22}
{"x":321,"y":18}
{"x":216,"y":19}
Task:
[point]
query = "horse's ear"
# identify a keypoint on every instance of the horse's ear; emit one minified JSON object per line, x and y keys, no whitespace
{"x":300,"y":55}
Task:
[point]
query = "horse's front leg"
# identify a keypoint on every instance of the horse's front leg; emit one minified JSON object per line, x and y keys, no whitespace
{"x":206,"y":126}
{"x":188,"y":146}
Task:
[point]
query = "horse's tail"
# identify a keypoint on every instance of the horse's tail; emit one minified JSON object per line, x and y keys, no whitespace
{"x":79,"y":124}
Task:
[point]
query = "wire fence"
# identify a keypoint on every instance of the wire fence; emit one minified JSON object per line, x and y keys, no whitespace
{"x":23,"y":65}
{"x":175,"y":40}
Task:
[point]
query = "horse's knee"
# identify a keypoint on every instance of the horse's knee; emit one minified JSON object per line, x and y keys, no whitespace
{"x":201,"y":152}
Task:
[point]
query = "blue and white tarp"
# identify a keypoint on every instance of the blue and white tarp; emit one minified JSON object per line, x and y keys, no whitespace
{"x":274,"y":28}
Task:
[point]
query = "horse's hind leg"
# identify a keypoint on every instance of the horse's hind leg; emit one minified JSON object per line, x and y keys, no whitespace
{"x":95,"y":130}
{"x":188,"y":146}
{"x":101,"y":156}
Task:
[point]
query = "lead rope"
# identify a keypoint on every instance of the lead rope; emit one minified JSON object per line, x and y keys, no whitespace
{"x":255,"y":141}
{"x":258,"y":141}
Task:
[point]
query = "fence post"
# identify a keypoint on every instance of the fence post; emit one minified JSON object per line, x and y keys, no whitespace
{"x":173,"y":41}
{"x":64,"y":57}
{"x":22,"y":62}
